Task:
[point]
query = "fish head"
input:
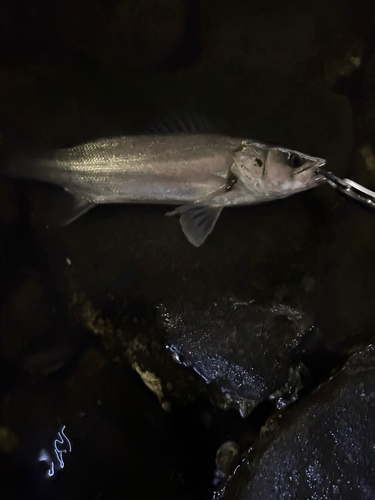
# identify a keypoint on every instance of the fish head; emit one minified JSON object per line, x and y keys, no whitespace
{"x":274,"y":171}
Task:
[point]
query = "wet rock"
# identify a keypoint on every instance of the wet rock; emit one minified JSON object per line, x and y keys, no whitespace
{"x":321,"y":448}
{"x":226,"y":456}
{"x":84,"y":311}
{"x":242,"y":349}
{"x":133,"y":343}
{"x":154,"y":384}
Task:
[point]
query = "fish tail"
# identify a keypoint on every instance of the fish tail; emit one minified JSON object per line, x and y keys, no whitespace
{"x":65,"y":206}
{"x":15,"y":161}
{"x":28,"y":166}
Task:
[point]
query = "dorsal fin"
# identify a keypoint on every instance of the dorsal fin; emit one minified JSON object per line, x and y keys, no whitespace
{"x":179,"y":122}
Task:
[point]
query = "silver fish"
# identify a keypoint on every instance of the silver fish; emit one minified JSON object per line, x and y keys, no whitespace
{"x":200,"y":172}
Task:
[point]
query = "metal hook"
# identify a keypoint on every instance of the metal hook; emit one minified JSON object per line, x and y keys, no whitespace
{"x":350,"y":188}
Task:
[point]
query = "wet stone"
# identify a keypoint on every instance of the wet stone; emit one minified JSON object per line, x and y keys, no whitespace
{"x":135,"y":343}
{"x":321,"y":447}
{"x":242,"y":349}
{"x":226,"y":457}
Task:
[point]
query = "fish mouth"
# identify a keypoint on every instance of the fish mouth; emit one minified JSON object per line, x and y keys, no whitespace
{"x":314,"y":166}
{"x":316,"y":176}
{"x":319,"y":178}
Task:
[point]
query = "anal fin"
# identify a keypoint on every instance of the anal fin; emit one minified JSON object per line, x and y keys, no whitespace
{"x":65,"y":207}
{"x":197,"y":221}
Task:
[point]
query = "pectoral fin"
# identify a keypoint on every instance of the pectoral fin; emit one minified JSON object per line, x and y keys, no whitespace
{"x":197,"y":221}
{"x":65,"y":208}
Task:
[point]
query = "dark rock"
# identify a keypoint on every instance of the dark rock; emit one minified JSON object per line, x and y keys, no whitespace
{"x":321,"y":448}
{"x":133,"y":342}
{"x":226,"y":456}
{"x":244,"y":350}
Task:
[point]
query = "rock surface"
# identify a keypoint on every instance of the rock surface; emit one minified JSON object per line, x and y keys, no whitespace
{"x":322,"y":448}
{"x":244,"y":350}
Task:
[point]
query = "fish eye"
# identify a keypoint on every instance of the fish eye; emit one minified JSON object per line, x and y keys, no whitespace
{"x":294,"y":160}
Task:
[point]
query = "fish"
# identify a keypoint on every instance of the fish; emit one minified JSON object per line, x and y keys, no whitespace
{"x":183,"y":163}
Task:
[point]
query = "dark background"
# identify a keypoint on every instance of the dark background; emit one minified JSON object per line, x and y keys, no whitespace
{"x":73,"y":336}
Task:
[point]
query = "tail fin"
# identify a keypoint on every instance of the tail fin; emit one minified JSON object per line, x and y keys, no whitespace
{"x":26,"y":165}
{"x":19,"y":160}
